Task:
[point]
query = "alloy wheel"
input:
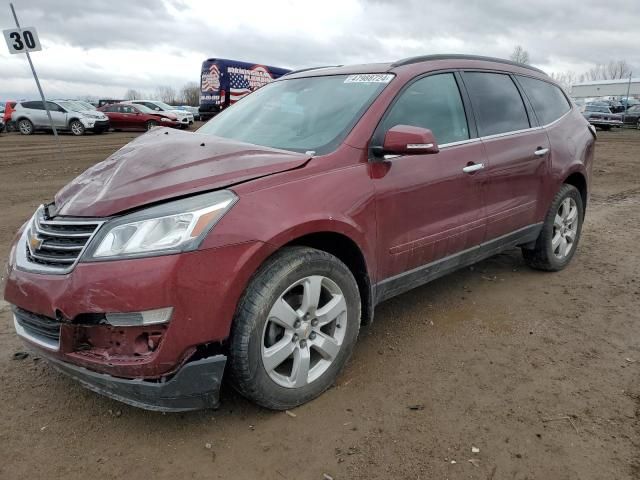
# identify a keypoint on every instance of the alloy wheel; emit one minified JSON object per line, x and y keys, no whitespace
{"x":565,"y":228}
{"x":25,"y":127}
{"x":304,"y":331}
{"x":77,"y":128}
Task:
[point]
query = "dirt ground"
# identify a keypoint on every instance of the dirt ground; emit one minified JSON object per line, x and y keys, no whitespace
{"x":538,"y":371}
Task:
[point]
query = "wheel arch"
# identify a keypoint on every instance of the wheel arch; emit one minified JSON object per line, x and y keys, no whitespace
{"x":578,"y":180}
{"x":348,"y":252}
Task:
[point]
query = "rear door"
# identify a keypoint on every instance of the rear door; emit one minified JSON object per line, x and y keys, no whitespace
{"x":517,"y":152}
{"x":427,"y":207}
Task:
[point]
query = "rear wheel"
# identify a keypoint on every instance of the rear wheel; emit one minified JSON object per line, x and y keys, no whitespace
{"x":151,"y":123}
{"x":295,"y":328}
{"x":560,"y":233}
{"x":25,"y":126}
{"x":77,"y":128}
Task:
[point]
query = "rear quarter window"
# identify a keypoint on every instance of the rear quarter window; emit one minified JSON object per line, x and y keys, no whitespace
{"x":497,"y":103}
{"x":547,"y":100}
{"x":32,"y":105}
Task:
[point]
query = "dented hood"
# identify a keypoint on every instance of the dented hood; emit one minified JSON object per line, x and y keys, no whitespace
{"x":166,"y":163}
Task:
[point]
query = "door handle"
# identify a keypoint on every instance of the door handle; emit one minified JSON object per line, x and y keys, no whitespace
{"x":474,"y":167}
{"x":541,"y":152}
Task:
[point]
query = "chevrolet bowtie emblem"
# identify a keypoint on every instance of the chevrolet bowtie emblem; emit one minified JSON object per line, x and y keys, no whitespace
{"x":35,"y":242}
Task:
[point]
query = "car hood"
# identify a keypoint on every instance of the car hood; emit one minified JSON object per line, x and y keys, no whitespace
{"x":165,"y":163}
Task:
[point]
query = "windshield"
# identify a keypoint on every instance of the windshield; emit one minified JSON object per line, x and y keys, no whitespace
{"x":164,"y":106}
{"x":304,"y":114}
{"x":144,"y":109}
{"x":72,"y":106}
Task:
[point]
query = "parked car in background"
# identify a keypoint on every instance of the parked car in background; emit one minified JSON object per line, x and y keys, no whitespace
{"x":256,"y":247}
{"x":68,"y":115}
{"x":195,"y":111}
{"x":124,"y":116}
{"x":632,"y":116}
{"x":600,"y":115}
{"x":1,"y":125}
{"x":184,"y":118}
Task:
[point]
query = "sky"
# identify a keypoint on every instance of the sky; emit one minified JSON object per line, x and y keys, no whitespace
{"x":101,"y":48}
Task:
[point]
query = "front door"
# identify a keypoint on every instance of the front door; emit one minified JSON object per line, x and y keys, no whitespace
{"x":428,"y":206}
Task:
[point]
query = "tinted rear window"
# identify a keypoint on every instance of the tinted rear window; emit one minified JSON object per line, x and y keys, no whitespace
{"x":548,"y":100}
{"x":32,"y":105}
{"x":497,"y":103}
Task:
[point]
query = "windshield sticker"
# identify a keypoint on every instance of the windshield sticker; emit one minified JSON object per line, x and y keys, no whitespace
{"x":369,"y":78}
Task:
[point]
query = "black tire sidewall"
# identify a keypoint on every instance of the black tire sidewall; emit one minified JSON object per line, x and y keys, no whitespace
{"x":547,"y":233}
{"x":151,"y":124}
{"x":263,"y":390}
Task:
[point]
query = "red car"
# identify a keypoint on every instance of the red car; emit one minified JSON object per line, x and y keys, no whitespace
{"x":124,"y":116}
{"x":259,"y":245}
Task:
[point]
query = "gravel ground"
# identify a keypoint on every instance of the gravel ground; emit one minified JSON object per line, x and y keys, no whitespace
{"x":538,"y":372}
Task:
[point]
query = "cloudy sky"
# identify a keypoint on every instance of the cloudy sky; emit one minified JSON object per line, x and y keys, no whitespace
{"x":102,"y":48}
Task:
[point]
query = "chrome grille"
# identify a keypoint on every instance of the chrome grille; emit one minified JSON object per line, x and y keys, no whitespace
{"x":57,"y":243}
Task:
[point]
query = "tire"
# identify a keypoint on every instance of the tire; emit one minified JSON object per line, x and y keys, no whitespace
{"x":25,"y":126}
{"x":150,"y":124}
{"x":77,"y":128}
{"x":273,"y":381}
{"x":558,"y":240}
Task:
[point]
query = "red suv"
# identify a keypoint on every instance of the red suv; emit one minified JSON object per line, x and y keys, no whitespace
{"x":260,"y":244}
{"x":137,"y":117}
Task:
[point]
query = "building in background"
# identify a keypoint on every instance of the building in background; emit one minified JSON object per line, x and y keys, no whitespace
{"x":606,"y":88}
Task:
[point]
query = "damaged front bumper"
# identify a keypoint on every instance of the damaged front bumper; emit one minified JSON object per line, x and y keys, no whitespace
{"x":195,"y":386}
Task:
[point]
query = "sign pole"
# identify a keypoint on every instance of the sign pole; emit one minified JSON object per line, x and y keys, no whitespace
{"x":626,"y":100}
{"x":35,"y":76}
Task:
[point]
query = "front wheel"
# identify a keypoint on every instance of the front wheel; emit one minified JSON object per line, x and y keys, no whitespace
{"x":77,"y":128}
{"x":151,"y":124}
{"x":294,"y":329}
{"x":560,"y":233}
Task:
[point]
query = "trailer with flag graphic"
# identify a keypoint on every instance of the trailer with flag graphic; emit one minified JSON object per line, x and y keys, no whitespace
{"x":224,"y":82}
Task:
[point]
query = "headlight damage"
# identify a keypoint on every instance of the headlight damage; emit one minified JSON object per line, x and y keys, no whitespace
{"x":168,"y":228}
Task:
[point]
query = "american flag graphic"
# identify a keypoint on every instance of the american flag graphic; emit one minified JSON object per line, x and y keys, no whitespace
{"x":242,"y":83}
{"x":211,"y":80}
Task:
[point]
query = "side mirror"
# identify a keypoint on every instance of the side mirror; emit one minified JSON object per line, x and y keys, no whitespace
{"x":408,"y":140}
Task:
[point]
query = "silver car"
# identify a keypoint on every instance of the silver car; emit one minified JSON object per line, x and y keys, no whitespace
{"x":68,"y":115}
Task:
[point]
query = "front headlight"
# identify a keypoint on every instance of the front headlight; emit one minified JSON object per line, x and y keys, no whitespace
{"x":172,"y":227}
{"x":165,"y":119}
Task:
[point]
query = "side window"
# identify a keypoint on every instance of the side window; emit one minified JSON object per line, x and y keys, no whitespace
{"x":497,"y":103}
{"x":432,"y":102}
{"x":547,"y":99}
{"x":54,"y":107}
{"x":33,"y":105}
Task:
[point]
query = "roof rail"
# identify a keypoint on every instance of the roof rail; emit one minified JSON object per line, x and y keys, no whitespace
{"x":310,"y":68}
{"x":455,"y":56}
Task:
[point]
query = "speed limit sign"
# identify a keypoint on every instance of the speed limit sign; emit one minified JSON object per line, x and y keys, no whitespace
{"x":21,"y":40}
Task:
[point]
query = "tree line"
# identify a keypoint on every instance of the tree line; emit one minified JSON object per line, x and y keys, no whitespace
{"x":189,"y":94}
{"x":613,"y":70}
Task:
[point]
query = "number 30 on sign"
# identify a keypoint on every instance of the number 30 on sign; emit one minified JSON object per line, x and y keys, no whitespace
{"x":21,"y":40}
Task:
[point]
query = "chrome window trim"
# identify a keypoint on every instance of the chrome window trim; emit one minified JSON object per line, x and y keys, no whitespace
{"x":37,"y":339}
{"x":505,"y":134}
